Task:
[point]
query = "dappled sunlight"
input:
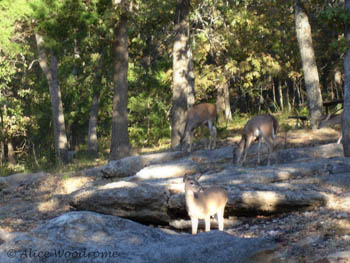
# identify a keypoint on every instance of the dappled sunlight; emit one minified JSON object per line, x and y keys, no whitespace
{"x":305,"y":137}
{"x":285,"y":173}
{"x":121,"y":184}
{"x":339,"y":202}
{"x":72,"y":184}
{"x":48,"y":206}
{"x":264,"y":200}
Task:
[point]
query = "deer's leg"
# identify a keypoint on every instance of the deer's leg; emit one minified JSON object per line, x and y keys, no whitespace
{"x":202,"y":126}
{"x":207,"y":223}
{"x":270,"y":144}
{"x":259,"y":147}
{"x":220,"y":215}
{"x":248,"y":142}
{"x":194,"y":222}
{"x":340,"y":138}
{"x":212,"y":136}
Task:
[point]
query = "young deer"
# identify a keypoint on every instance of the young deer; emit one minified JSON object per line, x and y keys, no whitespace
{"x":199,"y":115}
{"x":262,"y":126}
{"x":332,"y":121}
{"x":202,"y":203}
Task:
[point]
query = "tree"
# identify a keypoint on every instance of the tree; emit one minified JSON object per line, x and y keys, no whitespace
{"x":120,"y":138}
{"x":312,"y":84}
{"x":92,"y":132}
{"x":183,"y":79}
{"x":51,"y":74}
{"x":346,"y":114}
{"x":223,"y":107}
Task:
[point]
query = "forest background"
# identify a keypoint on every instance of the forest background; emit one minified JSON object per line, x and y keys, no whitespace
{"x":64,"y":65}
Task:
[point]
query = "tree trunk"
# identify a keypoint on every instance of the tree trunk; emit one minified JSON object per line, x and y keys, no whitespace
{"x":280,"y":95}
{"x":183,"y":79}
{"x":2,"y":138}
{"x":220,"y":102}
{"x":311,"y":77}
{"x":11,"y":154}
{"x":223,"y":107}
{"x":51,"y":73}
{"x":274,"y":94}
{"x":228,"y":114}
{"x":190,"y":79}
{"x":120,"y":138}
{"x":346,"y":114}
{"x":287,"y":97}
{"x":92,"y":133}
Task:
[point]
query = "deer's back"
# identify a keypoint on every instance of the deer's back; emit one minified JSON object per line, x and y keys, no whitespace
{"x":202,"y":112}
{"x":265,"y":123}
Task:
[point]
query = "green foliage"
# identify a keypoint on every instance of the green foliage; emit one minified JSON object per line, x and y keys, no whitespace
{"x":149,"y":107}
{"x":245,"y":44}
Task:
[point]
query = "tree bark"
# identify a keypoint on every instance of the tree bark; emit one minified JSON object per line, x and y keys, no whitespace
{"x":120,"y":138}
{"x":51,"y":74}
{"x":280,"y":95}
{"x":346,"y":114}
{"x":183,"y":78}
{"x":223,"y":107}
{"x":2,"y":138}
{"x":92,"y":133}
{"x":312,"y":83}
{"x":11,"y":154}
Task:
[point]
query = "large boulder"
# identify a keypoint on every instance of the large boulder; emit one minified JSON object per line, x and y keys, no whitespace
{"x":131,"y":165}
{"x":141,"y":202}
{"x":86,"y":237}
{"x":158,"y":196}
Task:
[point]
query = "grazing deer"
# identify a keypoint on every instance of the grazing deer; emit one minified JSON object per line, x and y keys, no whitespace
{"x":199,"y":115}
{"x":262,"y":126}
{"x":332,"y":120}
{"x":202,"y":203}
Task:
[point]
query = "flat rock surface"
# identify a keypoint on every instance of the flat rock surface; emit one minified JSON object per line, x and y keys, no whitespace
{"x":89,"y":237}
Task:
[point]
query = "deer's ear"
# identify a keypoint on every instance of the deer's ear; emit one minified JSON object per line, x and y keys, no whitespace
{"x":185,"y":178}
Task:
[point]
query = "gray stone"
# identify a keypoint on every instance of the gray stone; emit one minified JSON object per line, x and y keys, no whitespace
{"x":165,"y":171}
{"x":131,"y":165}
{"x":138,"y":201}
{"x":20,"y":179}
{"x":86,"y":237}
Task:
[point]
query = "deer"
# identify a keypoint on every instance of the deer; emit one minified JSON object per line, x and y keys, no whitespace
{"x":202,"y":203}
{"x":263,"y":126}
{"x":332,"y":120}
{"x":199,"y":115}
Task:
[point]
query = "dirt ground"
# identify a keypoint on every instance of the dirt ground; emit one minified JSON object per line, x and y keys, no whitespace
{"x":307,"y":236}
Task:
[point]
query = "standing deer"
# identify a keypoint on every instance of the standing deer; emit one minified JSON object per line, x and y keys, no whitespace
{"x":332,"y":120}
{"x":199,"y":115}
{"x":203,"y":203}
{"x":262,"y":126}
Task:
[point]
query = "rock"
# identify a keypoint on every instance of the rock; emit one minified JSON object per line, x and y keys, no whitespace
{"x":20,"y":179}
{"x":131,"y":165}
{"x":160,"y":197}
{"x":86,"y":237}
{"x":339,"y":179}
{"x":165,"y":171}
{"x":138,"y":201}
{"x":339,"y":257}
{"x":310,"y":153}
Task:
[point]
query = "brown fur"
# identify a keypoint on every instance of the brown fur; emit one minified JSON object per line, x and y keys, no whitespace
{"x":262,"y":126}
{"x":199,"y":115}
